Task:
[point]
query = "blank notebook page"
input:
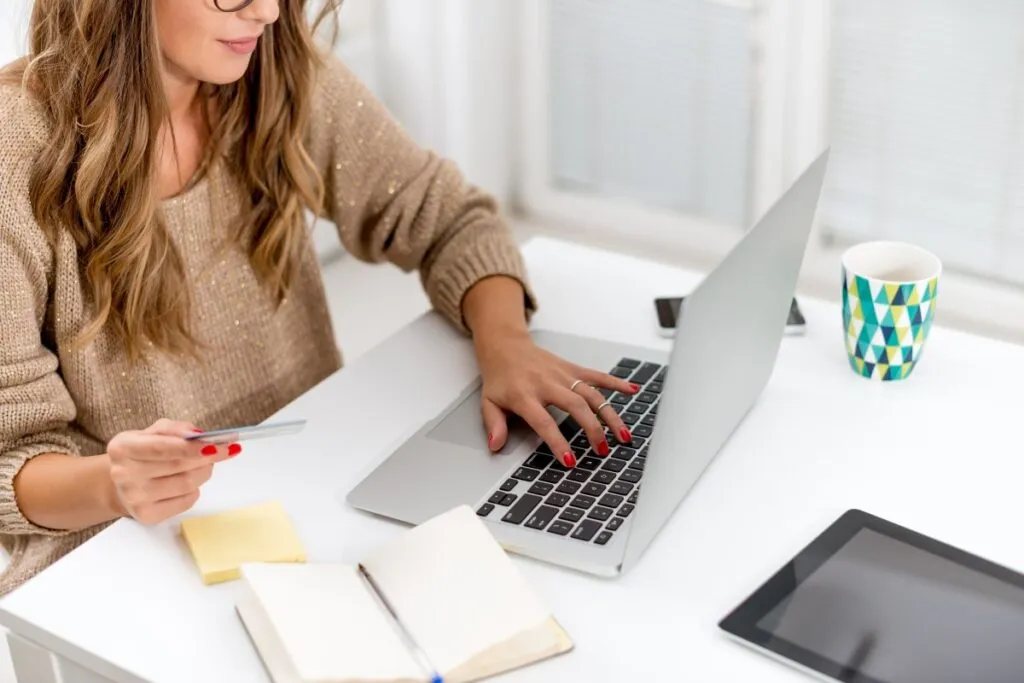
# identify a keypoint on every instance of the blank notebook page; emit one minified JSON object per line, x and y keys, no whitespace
{"x":330,"y":623}
{"x":455,"y":589}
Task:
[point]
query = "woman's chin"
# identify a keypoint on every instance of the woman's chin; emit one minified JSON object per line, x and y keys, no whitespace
{"x":224,"y":74}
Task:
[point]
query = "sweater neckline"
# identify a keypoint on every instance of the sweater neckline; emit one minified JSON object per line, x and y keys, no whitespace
{"x":195,"y":184}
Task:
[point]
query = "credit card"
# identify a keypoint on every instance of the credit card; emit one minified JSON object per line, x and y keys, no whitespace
{"x":260,"y":431}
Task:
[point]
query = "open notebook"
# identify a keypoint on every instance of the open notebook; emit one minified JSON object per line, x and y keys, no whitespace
{"x":455,"y":591}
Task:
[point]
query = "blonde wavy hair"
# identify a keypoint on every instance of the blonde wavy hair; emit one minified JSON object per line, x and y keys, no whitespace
{"x":93,"y":66}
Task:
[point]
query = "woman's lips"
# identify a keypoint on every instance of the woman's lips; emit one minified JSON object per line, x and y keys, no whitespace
{"x":244,"y":46}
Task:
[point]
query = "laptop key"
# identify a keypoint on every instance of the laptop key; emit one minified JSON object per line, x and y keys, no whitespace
{"x":654,"y":409}
{"x":623,"y":453}
{"x":589,"y":463}
{"x":648,"y":421}
{"x":621,"y":488}
{"x":637,"y":408}
{"x":614,"y":523}
{"x":509,"y":485}
{"x":557,"y":467}
{"x":606,"y":392}
{"x":496,"y":498}
{"x":560,"y":528}
{"x":645,"y":373}
{"x":569,"y":487}
{"x":632,"y":498}
{"x":581,"y":441}
{"x":526,"y":474}
{"x":630,"y":418}
{"x":643,"y":430}
{"x":569,"y":427}
{"x":611,"y":500}
{"x":541,"y":488}
{"x":660,"y":377}
{"x":522,"y":509}
{"x":604,"y":477}
{"x":621,"y":399}
{"x":541,"y":517}
{"x":638,"y":442}
{"x":543,"y":449}
{"x":638,"y":464}
{"x":643,"y":453}
{"x":559,"y":500}
{"x":603,"y":538}
{"x":630,"y":363}
{"x":586,"y":530}
{"x":614,"y":465}
{"x":538,"y":461}
{"x":624,"y":510}
{"x":507,"y":500}
{"x":579,"y":475}
{"x":571,"y":515}
{"x":646,"y":397}
{"x":551,"y":476}
{"x":632,"y":476}
{"x":600,"y":514}
{"x":654,"y":387}
{"x":621,"y":373}
{"x":594,"y":489}
{"x":582,"y":502}
{"x":485,"y":509}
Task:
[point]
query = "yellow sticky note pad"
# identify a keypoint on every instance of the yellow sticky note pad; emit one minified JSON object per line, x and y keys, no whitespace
{"x":221,"y":543}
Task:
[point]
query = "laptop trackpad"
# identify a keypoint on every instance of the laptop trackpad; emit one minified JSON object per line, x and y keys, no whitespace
{"x":464,"y":426}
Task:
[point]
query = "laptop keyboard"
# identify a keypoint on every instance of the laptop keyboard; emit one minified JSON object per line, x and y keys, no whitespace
{"x":590,"y":502}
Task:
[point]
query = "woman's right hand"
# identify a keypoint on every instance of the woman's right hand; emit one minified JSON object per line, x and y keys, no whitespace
{"x":157,"y":474}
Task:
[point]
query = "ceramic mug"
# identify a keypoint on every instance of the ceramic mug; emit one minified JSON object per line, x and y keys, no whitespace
{"x":889,"y":294}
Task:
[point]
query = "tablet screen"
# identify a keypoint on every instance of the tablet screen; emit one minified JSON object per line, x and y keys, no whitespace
{"x":884,"y":604}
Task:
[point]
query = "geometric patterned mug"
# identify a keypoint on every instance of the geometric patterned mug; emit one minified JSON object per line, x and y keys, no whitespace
{"x":889,"y":292}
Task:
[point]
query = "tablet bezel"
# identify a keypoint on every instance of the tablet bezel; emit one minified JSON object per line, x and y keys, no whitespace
{"x":742,"y":622}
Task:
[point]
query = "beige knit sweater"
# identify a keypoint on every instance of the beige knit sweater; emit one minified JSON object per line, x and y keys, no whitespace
{"x":391,"y":201}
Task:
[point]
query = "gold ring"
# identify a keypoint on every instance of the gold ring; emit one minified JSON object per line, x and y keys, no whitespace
{"x":603,"y":405}
{"x":575,"y":384}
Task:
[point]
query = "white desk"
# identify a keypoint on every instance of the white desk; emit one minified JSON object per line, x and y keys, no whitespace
{"x":939,"y":453}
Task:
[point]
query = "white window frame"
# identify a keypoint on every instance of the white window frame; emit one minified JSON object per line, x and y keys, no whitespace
{"x":790,"y":131}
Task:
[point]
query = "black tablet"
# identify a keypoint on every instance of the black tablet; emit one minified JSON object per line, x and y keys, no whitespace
{"x":869,"y":601}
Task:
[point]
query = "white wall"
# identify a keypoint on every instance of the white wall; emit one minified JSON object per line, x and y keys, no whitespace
{"x":448,"y":72}
{"x":13,"y":28}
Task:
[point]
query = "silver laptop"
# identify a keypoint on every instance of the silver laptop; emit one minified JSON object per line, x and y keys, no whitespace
{"x":601,"y":516}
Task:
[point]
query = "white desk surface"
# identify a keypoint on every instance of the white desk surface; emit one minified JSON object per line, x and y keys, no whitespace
{"x":939,"y":453}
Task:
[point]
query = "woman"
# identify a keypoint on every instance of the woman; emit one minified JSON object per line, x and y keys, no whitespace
{"x":157,"y":273}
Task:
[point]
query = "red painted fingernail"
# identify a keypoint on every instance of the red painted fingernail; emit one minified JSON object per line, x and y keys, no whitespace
{"x":634,"y":387}
{"x":209,"y":450}
{"x":490,"y":440}
{"x":234,"y":449}
{"x":625,"y":435}
{"x":602,"y":448}
{"x":569,"y":460}
{"x":197,"y":430}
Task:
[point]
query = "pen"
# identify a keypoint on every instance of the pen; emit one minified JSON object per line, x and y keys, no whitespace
{"x":410,"y":643}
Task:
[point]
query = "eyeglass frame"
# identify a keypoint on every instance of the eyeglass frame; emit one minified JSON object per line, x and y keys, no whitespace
{"x":242,"y":4}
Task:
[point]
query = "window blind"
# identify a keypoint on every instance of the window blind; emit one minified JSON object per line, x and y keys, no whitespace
{"x":651,"y":101}
{"x":926,"y":107}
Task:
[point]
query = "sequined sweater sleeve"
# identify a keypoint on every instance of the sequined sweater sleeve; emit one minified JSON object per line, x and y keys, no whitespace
{"x":395,"y":201}
{"x":36,"y":406}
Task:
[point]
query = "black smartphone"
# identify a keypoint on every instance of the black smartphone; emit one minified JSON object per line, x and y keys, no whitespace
{"x":667,"y":309}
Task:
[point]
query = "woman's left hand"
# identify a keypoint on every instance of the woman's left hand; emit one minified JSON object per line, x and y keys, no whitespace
{"x":521,"y":378}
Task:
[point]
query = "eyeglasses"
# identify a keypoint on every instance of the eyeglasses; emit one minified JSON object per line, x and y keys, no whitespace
{"x":231,"y":5}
